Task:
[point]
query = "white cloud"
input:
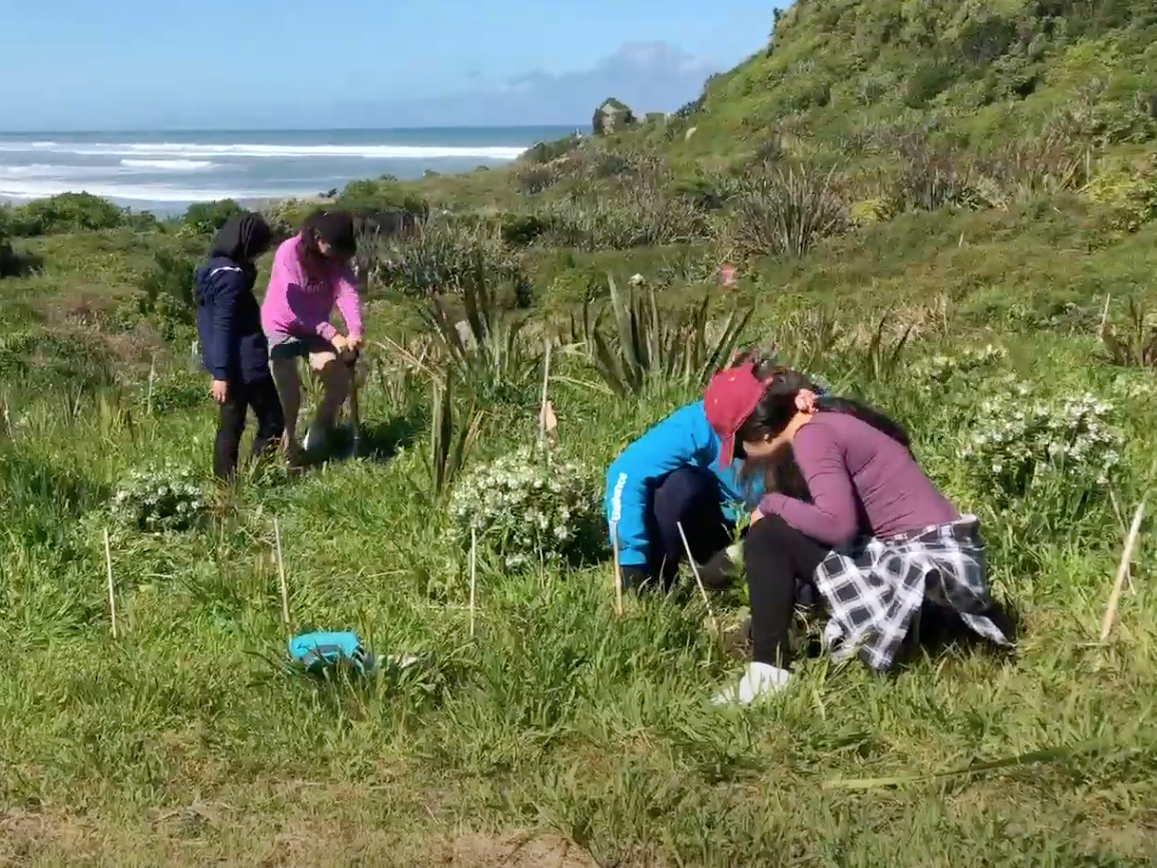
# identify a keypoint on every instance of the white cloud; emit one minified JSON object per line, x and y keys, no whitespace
{"x":647,"y":76}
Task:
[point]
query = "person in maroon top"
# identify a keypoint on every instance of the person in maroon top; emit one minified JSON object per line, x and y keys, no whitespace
{"x":874,"y":535}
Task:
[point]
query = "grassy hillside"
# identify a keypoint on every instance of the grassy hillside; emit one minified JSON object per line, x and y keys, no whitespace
{"x":979,"y":75}
{"x":950,"y":211}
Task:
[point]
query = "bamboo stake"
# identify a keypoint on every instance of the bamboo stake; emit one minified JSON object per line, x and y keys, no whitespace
{"x":112,"y":600}
{"x":473,"y":576}
{"x":281,"y":574}
{"x":545,"y":388}
{"x":547,"y":421}
{"x":698,"y":579}
{"x":1124,"y":530}
{"x":1122,"y":572}
{"x":618,"y":577}
{"x":152,"y":378}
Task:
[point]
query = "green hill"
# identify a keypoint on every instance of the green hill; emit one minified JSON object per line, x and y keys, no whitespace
{"x":838,"y":73}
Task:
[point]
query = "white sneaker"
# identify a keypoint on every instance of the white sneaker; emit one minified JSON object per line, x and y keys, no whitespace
{"x":760,"y":680}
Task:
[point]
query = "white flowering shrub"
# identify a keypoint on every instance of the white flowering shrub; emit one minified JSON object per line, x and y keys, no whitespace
{"x":939,"y":369}
{"x":158,"y":499}
{"x":529,"y":507}
{"x":1016,"y":440}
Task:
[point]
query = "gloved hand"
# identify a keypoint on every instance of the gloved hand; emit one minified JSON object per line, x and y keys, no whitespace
{"x":724,"y":566}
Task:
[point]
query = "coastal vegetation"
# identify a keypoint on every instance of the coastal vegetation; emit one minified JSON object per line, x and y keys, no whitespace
{"x":948,"y":209}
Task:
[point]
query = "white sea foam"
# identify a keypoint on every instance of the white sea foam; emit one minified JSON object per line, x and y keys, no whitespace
{"x":191,"y":150}
{"x":170,"y":165}
{"x":134,"y":172}
{"x":14,"y":188}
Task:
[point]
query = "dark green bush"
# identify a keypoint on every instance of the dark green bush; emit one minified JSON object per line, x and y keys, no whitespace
{"x":14,"y":263}
{"x":206,"y":218}
{"x":545,"y":152}
{"x":536,"y":177}
{"x":382,"y":195}
{"x":167,"y":295}
{"x":68,"y":212}
{"x":521,"y":230}
{"x":785,"y":212}
{"x":444,"y":256}
{"x":927,"y":81}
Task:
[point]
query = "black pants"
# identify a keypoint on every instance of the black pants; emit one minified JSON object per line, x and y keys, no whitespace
{"x":262,"y":397}
{"x":778,"y":558}
{"x":690,"y":497}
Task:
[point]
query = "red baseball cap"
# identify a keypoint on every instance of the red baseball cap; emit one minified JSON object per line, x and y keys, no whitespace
{"x":730,"y":398}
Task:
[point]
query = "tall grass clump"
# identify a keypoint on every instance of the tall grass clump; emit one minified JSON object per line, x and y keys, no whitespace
{"x":931,"y":178}
{"x":646,"y":343}
{"x":485,"y":348}
{"x":785,"y":212}
{"x":443,"y":256}
{"x":623,"y":218}
{"x":453,"y":437}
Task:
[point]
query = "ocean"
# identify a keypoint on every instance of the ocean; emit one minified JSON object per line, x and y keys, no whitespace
{"x":165,"y":172}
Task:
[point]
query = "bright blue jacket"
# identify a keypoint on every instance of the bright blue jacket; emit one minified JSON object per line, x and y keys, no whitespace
{"x":683,"y":439}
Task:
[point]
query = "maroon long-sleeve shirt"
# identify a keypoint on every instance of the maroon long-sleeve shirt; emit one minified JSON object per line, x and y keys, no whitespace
{"x":861,"y":480}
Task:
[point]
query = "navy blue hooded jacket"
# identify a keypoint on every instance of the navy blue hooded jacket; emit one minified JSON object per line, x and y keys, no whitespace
{"x":234,"y":347}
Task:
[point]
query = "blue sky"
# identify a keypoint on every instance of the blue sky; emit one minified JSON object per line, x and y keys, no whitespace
{"x":131,"y":64}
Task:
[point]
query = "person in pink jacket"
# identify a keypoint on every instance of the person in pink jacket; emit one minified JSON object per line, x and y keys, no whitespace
{"x":311,"y":275}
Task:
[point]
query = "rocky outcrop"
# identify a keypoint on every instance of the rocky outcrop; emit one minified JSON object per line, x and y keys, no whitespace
{"x":612,"y":116}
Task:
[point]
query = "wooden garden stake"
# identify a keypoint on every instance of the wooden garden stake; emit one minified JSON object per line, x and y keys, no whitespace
{"x":152,"y":379}
{"x":1122,"y":572}
{"x":547,"y":422}
{"x":473,"y":576}
{"x":618,"y":569}
{"x":698,"y":579}
{"x":112,"y":600}
{"x":281,"y":574}
{"x":1124,"y":530}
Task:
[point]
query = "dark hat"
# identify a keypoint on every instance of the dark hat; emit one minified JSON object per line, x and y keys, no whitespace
{"x":336,"y":228}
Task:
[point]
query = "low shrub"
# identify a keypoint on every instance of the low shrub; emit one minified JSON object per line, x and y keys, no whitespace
{"x":530,"y":507}
{"x":207,"y":218}
{"x":68,"y":212}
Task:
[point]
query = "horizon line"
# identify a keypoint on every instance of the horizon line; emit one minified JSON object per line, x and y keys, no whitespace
{"x":337,"y":129}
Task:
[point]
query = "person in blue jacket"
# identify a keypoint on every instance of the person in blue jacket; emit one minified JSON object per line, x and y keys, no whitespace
{"x":234,"y":347}
{"x":670,"y":476}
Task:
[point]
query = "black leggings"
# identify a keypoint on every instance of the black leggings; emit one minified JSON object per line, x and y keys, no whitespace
{"x":689,"y":497}
{"x":776,"y":557}
{"x":262,"y":397}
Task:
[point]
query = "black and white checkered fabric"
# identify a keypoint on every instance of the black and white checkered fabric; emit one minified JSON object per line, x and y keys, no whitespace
{"x":875,"y":589}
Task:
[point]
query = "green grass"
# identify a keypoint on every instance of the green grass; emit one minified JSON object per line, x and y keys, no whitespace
{"x":562,"y":733}
{"x":183,"y":743}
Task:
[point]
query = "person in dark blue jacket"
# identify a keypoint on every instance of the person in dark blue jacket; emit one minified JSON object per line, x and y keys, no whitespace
{"x":234,"y":347}
{"x":670,"y":476}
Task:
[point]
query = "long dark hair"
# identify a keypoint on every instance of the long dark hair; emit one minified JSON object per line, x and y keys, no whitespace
{"x":776,"y":408}
{"x":335,"y":227}
{"x":312,"y":259}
